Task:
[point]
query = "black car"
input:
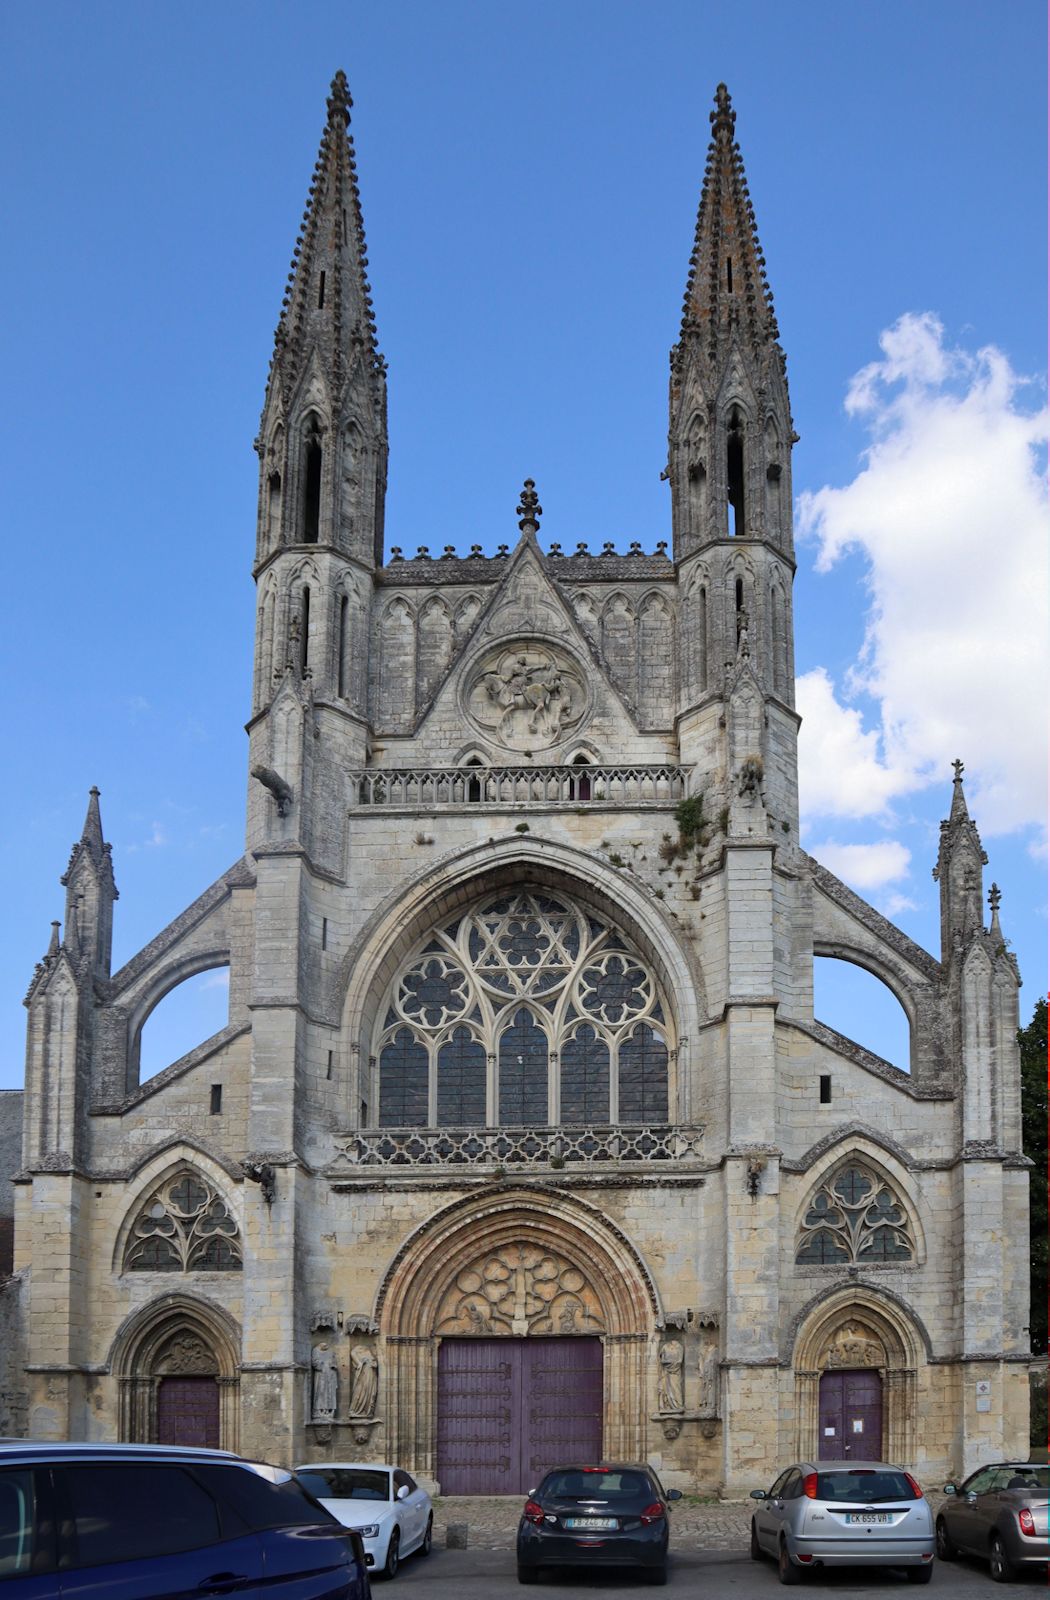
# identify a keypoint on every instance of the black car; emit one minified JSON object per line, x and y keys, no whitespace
{"x":142,"y":1521}
{"x":607,"y":1516}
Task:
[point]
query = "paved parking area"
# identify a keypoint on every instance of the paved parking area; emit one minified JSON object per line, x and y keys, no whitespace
{"x":492,"y":1521}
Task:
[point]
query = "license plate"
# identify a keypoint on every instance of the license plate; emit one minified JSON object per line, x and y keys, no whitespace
{"x":590,"y":1522}
{"x":869,"y":1516}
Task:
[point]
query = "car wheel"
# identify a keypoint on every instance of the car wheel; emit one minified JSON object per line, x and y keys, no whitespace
{"x":1002,"y":1566}
{"x":787,"y":1572}
{"x":428,"y":1538}
{"x":945,"y":1545}
{"x":920,"y":1574}
{"x":527,"y":1574}
{"x":757,"y":1552}
{"x":393,"y":1555}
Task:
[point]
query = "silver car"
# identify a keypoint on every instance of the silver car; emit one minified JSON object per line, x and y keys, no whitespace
{"x":1000,"y":1514}
{"x":843,"y":1514}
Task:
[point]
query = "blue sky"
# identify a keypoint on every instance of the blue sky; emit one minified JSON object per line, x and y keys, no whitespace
{"x":529,"y":180}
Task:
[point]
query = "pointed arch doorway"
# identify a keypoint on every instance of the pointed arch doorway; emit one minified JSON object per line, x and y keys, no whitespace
{"x":508,"y":1409}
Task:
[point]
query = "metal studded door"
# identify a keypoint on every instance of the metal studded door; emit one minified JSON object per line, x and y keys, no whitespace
{"x":188,"y":1412}
{"x":851,"y":1416}
{"x":510,"y":1408}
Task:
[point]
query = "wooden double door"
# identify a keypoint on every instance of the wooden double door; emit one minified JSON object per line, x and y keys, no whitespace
{"x":851,"y":1415}
{"x":188,"y":1412}
{"x":508,"y":1409}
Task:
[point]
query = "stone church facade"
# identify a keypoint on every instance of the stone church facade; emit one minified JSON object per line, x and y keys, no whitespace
{"x":522,"y":1140}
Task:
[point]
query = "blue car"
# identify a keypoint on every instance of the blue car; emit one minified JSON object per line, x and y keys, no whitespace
{"x":149,"y":1522}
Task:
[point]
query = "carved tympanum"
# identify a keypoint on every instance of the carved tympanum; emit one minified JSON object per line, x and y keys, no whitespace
{"x":186,"y":1356}
{"x":520,"y":1289}
{"x":855,"y":1345}
{"x":526,"y":698}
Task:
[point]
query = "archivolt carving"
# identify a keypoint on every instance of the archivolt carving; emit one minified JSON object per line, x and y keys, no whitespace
{"x":518,"y":1290}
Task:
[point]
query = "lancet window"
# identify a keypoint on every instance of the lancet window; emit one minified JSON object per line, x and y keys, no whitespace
{"x":528,"y":1011}
{"x":855,"y":1216}
{"x":184,"y":1226}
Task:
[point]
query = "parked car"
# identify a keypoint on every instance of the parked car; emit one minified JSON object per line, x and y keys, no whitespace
{"x":1000,"y":1514}
{"x":843,"y":1513}
{"x":140,"y":1521}
{"x":607,"y":1516}
{"x":384,"y":1504}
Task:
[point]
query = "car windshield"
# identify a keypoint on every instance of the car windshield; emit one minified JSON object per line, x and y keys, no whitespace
{"x":594,"y":1484}
{"x":345,"y":1483}
{"x":1028,"y":1477}
{"x":863,"y":1486}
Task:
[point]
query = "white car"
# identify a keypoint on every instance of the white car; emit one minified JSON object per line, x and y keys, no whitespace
{"x":386,"y":1506}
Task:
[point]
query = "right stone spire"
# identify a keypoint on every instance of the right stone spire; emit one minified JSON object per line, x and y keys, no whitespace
{"x":730,"y":431}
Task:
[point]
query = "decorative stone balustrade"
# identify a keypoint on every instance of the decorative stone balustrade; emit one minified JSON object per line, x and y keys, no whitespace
{"x":425,"y":787}
{"x":521,"y":1147}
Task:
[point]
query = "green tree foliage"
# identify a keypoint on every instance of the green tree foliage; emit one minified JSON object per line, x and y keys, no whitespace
{"x":1034,"y":1121}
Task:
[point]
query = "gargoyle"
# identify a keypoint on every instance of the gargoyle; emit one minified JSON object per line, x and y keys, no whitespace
{"x":262,"y":1173}
{"x":281,"y":791}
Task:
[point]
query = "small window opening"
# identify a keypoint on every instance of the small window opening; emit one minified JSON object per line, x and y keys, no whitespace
{"x":729,"y":273}
{"x":825,"y":1088}
{"x":216,"y":1099}
{"x":320,"y":294}
{"x":344,"y":613}
{"x":273,"y":500}
{"x":324,"y":933}
{"x":304,"y":634}
{"x":735,"y":475}
{"x":345,"y":235}
{"x":331,"y":1058}
{"x":473,"y":784}
{"x":364,"y":1114}
{"x":312,"y":487}
{"x":582,"y":784}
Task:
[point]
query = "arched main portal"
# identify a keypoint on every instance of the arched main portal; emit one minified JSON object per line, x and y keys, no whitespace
{"x":177,"y":1367}
{"x":515,"y":1327}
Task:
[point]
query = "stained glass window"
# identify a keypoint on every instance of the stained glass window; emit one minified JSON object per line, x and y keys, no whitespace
{"x":854,"y":1216}
{"x":184,"y":1226}
{"x":572,"y":968}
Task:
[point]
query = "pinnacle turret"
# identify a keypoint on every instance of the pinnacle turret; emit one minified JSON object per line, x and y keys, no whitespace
{"x":727,"y":286}
{"x":328,"y":302}
{"x":90,"y":892}
{"x":960,"y":860}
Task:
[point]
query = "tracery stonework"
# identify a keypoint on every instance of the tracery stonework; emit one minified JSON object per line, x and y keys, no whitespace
{"x":526,"y":697}
{"x":520,"y":1290}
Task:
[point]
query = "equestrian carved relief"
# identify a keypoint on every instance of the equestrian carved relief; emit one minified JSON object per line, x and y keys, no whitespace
{"x":520,"y":1290}
{"x":526,"y":698}
{"x":855,"y":1345}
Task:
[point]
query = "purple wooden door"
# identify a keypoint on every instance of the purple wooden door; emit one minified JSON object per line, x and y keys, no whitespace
{"x":188,"y":1412}
{"x":510,"y":1408}
{"x":851,"y":1416}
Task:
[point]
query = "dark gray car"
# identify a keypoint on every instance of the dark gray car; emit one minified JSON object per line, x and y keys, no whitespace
{"x":1000,"y":1514}
{"x":843,"y":1513}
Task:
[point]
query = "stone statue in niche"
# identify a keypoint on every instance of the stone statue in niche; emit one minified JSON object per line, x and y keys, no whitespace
{"x":325,"y":1382}
{"x":669,"y":1390}
{"x":526,"y":698}
{"x":708,"y":1369}
{"x":364,"y":1383}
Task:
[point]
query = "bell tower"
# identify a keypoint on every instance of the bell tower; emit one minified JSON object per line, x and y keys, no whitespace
{"x":729,"y":466}
{"x":322,"y":449}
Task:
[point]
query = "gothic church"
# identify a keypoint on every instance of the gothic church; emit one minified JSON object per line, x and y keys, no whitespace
{"x":522,"y":1141}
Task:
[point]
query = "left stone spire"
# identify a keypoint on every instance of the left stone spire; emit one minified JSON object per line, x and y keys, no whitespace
{"x":322,"y":440}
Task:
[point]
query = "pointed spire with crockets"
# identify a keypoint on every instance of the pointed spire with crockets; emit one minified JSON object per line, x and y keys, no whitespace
{"x":960,"y":860}
{"x":727,"y":285}
{"x":328,"y":302}
{"x":90,"y":892}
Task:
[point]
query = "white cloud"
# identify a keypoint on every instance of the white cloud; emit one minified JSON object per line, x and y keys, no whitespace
{"x":950,"y":509}
{"x":840,"y":773}
{"x":865,"y":866}
{"x":219,"y":979}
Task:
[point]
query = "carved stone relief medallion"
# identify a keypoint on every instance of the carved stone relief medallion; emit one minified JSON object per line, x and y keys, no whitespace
{"x":519,"y":1290}
{"x":526,"y":696}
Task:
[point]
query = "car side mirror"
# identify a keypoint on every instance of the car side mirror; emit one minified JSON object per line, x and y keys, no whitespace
{"x":674,"y":1494}
{"x":404,"y":1492}
{"x":949,"y":1488}
{"x":758,"y":1494}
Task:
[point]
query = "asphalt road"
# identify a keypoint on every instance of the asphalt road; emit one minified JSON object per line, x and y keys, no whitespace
{"x":484,"y":1574}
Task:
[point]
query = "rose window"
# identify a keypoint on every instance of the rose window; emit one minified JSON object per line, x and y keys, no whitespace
{"x":527,"y":1010}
